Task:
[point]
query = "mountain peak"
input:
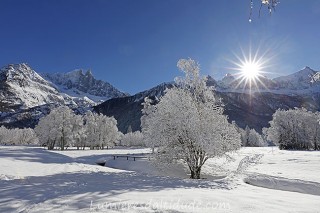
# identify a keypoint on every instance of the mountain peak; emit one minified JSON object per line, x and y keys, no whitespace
{"x":89,"y":73}
{"x":306,"y":68}
{"x":20,"y":72}
{"x":78,"y":83}
{"x":296,"y":81}
{"x":19,"y":65}
{"x":22,"y":87}
{"x":228,"y":75}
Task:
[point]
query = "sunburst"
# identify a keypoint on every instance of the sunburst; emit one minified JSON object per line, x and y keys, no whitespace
{"x":250,"y":70}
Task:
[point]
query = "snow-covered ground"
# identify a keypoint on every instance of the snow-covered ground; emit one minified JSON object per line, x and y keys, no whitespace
{"x":37,"y":180}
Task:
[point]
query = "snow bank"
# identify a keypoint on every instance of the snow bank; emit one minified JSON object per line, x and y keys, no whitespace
{"x":292,"y":185}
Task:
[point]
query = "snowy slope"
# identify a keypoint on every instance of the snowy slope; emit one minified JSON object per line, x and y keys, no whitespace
{"x":37,"y":180}
{"x":22,"y":87}
{"x":127,"y":110}
{"x":226,"y":81}
{"x":253,"y":107}
{"x":81,"y":84}
{"x":295,"y":81}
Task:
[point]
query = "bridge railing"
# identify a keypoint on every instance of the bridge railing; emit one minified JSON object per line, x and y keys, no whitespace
{"x":130,"y":157}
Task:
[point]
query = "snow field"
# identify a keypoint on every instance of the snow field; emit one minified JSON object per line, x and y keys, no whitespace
{"x":37,"y":180}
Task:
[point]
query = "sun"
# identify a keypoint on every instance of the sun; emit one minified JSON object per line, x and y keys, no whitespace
{"x":250,"y":69}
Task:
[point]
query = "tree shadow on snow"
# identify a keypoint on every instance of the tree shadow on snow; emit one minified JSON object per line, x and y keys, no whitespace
{"x":40,"y":155}
{"x":87,"y":187}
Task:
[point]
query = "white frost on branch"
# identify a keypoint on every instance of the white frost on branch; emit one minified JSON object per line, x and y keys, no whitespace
{"x":132,"y":139}
{"x":295,"y":129}
{"x":17,"y":136}
{"x":62,"y":128}
{"x":57,"y":128}
{"x":100,"y":130}
{"x":187,"y":124}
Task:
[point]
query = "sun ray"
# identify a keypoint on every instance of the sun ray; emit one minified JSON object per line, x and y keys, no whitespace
{"x":251,"y":69}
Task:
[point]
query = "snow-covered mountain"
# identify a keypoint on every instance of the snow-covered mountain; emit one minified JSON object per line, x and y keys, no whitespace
{"x":253,"y":109}
{"x":25,"y":95}
{"x":83,"y":85}
{"x":127,"y":110}
{"x":21,"y":87}
{"x":226,"y":81}
{"x":296,"y":83}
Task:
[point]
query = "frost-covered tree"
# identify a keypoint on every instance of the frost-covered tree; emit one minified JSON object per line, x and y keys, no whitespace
{"x":3,"y":135}
{"x":129,"y":129}
{"x":132,"y":139}
{"x":17,"y":136}
{"x":79,"y":132}
{"x":100,"y":130}
{"x":251,"y":138}
{"x":148,"y":109}
{"x":63,"y":128}
{"x":187,"y":124}
{"x":57,"y":128}
{"x":255,"y":139}
{"x":25,"y":136}
{"x":245,"y":136}
{"x":295,"y":129}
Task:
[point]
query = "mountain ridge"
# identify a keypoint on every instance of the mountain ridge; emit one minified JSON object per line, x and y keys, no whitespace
{"x":77,"y":89}
{"x":22,"y":87}
{"x":253,"y":108}
{"x":77,"y":83}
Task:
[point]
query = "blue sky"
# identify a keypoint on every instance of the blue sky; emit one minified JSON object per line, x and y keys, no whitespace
{"x":135,"y":44}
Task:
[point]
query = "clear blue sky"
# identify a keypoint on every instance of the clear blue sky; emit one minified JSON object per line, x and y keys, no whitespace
{"x":135,"y":44}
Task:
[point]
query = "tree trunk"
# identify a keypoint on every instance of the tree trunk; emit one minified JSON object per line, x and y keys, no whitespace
{"x":51,"y":145}
{"x":195,"y":174}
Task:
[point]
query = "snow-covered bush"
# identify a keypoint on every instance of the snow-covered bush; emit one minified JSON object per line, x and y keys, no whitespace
{"x":17,"y":136}
{"x":297,"y":129}
{"x":187,"y":124}
{"x":251,"y":138}
{"x":132,"y":139}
